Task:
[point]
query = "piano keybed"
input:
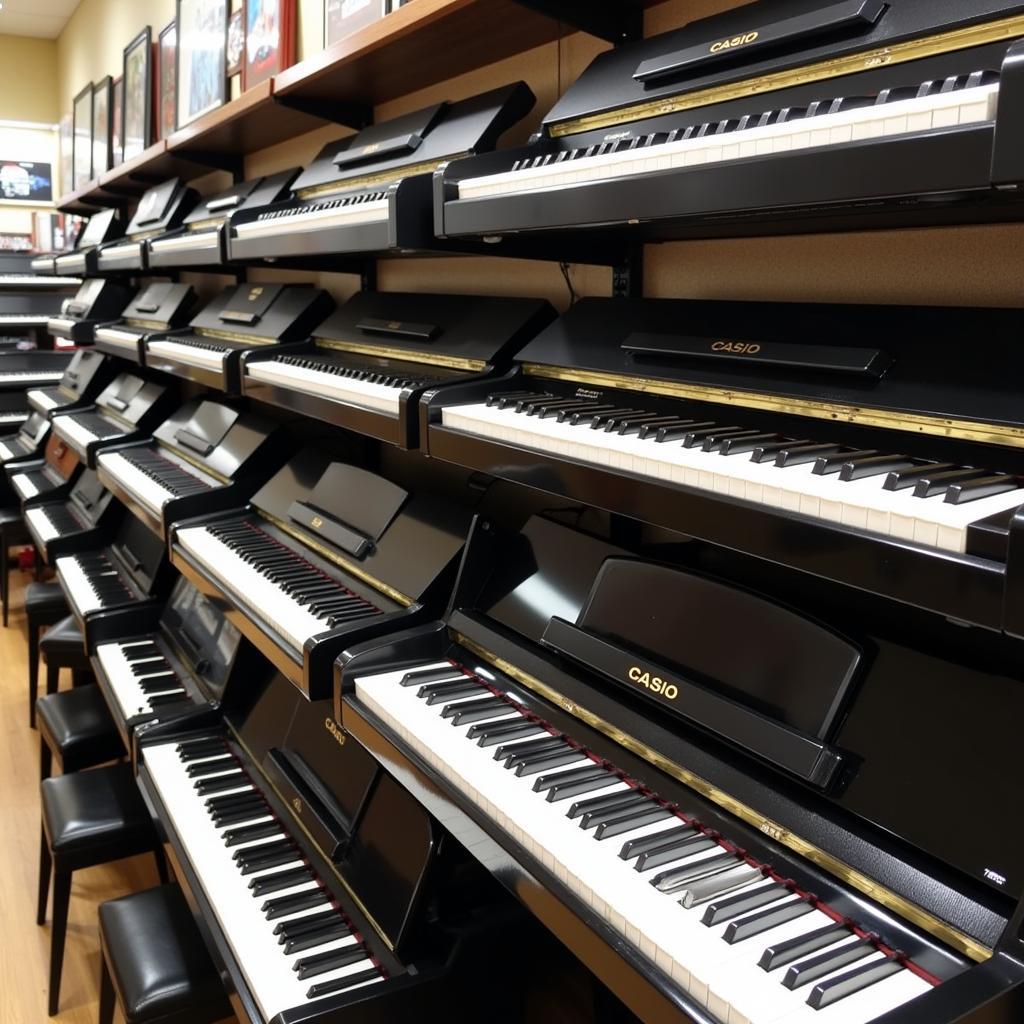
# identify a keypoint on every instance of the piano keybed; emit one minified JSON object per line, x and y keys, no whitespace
{"x":154,"y":478}
{"x":142,"y":678}
{"x":900,"y":496}
{"x":94,"y":582}
{"x":51,"y":521}
{"x":337,"y":211}
{"x":736,"y":933}
{"x":287,"y":927}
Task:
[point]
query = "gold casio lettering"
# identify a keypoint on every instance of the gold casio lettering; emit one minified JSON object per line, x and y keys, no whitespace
{"x":731,"y":44}
{"x":737,"y":348}
{"x":654,"y":683}
{"x":316,"y":522}
{"x":394,"y":325}
{"x":332,"y":728}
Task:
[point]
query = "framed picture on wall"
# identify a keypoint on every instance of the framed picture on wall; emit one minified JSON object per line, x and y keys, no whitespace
{"x":81,"y":162}
{"x":269,"y":39}
{"x":117,"y":121}
{"x":342,"y":17}
{"x":101,"y":95}
{"x":137,"y":126}
{"x":202,"y":83}
{"x":236,"y":41}
{"x":66,"y":158}
{"x":167,"y":58}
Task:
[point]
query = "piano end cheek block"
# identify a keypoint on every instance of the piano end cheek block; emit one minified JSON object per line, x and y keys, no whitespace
{"x":1013,"y":586}
{"x":1008,"y":147}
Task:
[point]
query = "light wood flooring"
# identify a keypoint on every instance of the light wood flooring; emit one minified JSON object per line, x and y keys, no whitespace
{"x":25,"y":947}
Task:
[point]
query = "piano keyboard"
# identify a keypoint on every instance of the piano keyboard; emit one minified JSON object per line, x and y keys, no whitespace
{"x":732,"y":932}
{"x":40,"y":376}
{"x":120,"y":339}
{"x":190,"y":240}
{"x":141,"y":679}
{"x":288,"y":936}
{"x":931,"y":504}
{"x":367,"y":388}
{"x":44,"y":401}
{"x":154,"y":478}
{"x":48,"y":281}
{"x":28,"y":485}
{"x":13,"y":417}
{"x":50,"y":521}
{"x":24,"y":319}
{"x":93,"y":582}
{"x":967,"y":99}
{"x":15,"y":449}
{"x":194,"y":351}
{"x":361,"y":208}
{"x":278,"y":585}
{"x":85,"y":427}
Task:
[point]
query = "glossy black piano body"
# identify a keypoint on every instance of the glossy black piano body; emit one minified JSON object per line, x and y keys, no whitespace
{"x":206,"y":456}
{"x":362,"y":556}
{"x":784,"y":376}
{"x":412,"y":344}
{"x":84,"y":520}
{"x":47,"y":477}
{"x":664,"y":667}
{"x":160,"y":209}
{"x":96,"y":302}
{"x":81,"y":261}
{"x":201,"y":239}
{"x":370,"y":193}
{"x":130,"y":573}
{"x":127,"y":409}
{"x":660,"y":125}
{"x":84,"y":377}
{"x":242,"y":318}
{"x":423,"y":915}
{"x":160,"y":306}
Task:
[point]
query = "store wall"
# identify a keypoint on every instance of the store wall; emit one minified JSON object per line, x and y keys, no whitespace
{"x":28,"y":80}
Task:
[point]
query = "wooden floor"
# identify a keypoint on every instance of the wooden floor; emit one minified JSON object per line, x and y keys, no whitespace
{"x":25,"y":947}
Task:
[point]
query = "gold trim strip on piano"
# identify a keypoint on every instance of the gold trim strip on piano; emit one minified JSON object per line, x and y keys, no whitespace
{"x":193,"y":461}
{"x":953,"y":937}
{"x":1004,"y":29}
{"x":248,"y":339}
{"x":154,"y":325}
{"x":321,"y":549}
{"x":202,"y":225}
{"x":937,"y":426}
{"x":389,"y":352}
{"x":66,"y":391}
{"x":380,"y":178}
{"x":381,"y":934}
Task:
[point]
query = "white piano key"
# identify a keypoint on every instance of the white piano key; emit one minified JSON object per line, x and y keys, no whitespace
{"x":190,"y":354}
{"x":24,"y":485}
{"x":39,"y":521}
{"x":315,"y":220}
{"x":71,"y":430}
{"x":42,"y":400}
{"x":124,"y":684}
{"x":365,"y":394}
{"x":198,"y":240}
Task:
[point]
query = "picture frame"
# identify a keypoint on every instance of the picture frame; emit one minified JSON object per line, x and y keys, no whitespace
{"x":117,"y":121}
{"x":343,"y":17}
{"x":65,"y":137}
{"x":81,"y":138}
{"x":167,"y":79}
{"x":269,"y":39}
{"x":137,"y":106}
{"x":236,"y":41}
{"x":101,"y":97}
{"x":202,"y":81}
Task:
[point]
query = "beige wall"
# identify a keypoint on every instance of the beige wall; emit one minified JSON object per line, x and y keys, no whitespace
{"x":28,"y":80}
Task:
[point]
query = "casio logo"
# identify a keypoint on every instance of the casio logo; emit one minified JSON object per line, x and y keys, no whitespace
{"x":653,"y":683}
{"x":731,"y":44}
{"x":739,"y":348}
{"x":316,"y":522}
{"x":332,"y":728}
{"x":297,"y":804}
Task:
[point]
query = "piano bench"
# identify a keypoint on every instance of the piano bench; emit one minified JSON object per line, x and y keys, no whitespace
{"x":13,"y":531}
{"x":63,"y":646}
{"x":89,"y":818}
{"x":76,"y":728}
{"x":155,"y":966}
{"x":45,"y":604}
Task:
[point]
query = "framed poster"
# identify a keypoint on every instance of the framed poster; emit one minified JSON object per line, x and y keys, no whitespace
{"x":236,"y":41}
{"x":342,"y":17}
{"x":202,"y":83}
{"x":66,"y":158}
{"x":101,"y":95}
{"x":23,"y":181}
{"x":81,"y":161}
{"x":167,"y":52}
{"x":117,"y":121}
{"x":137,"y":127}
{"x":269,"y":39}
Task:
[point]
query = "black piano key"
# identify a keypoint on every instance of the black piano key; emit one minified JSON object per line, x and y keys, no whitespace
{"x":468,"y":711}
{"x":508,"y":751}
{"x":286,"y":930}
{"x":830,"y":991}
{"x":982,"y":487}
{"x":828,"y":464}
{"x":567,"y":790}
{"x":247,"y":833}
{"x":622,"y":823}
{"x":938,"y":482}
{"x":768,"y":452}
{"x":801,"y":454}
{"x":874,"y":465}
{"x":333,"y":960}
{"x":695,"y":438}
{"x":166,"y":699}
{"x":901,"y":479}
{"x":142,"y":652}
{"x":806,"y":971}
{"x":231,"y":801}
{"x":158,"y":684}
{"x":600,"y":803}
{"x":267,"y":861}
{"x":278,"y":880}
{"x":652,"y":431}
{"x":646,"y":426}
{"x":719,"y":883}
{"x":327,"y":988}
{"x":679,"y":878}
{"x":764,"y":920}
{"x":434,"y":693}
{"x":714,"y":442}
{"x":573,"y":413}
{"x":632,"y":424}
{"x":527,"y":766}
{"x":310,"y":940}
{"x":282,"y":906}
{"x":194,"y":750}
{"x":590,"y":771}
{"x":148,"y":666}
{"x":740,"y":444}
{"x":487,"y":734}
{"x":743,"y":903}
{"x":634,"y":847}
{"x":247,"y":854}
{"x":239,"y":816}
{"x":787,"y":952}
{"x":592,"y":818}
{"x":221,"y":783}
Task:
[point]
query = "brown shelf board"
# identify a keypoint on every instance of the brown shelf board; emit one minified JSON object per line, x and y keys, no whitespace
{"x":252,"y":121}
{"x":422,"y":43}
{"x":150,"y":167}
{"x":86,"y":200}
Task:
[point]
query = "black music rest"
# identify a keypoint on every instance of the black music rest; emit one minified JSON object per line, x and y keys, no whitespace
{"x":81,"y":261}
{"x":160,"y":306}
{"x":154,"y":965}
{"x":97,"y":301}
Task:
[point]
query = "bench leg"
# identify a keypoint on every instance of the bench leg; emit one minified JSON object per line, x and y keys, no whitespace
{"x":44,"y":877}
{"x":45,"y":759}
{"x":58,"y":932}
{"x":52,"y":678}
{"x":33,"y":672}
{"x":107,"y":1000}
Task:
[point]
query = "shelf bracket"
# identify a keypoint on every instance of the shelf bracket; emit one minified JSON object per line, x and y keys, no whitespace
{"x":368,"y":276}
{"x":347,"y":113}
{"x":628,"y":275}
{"x":615,"y":22}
